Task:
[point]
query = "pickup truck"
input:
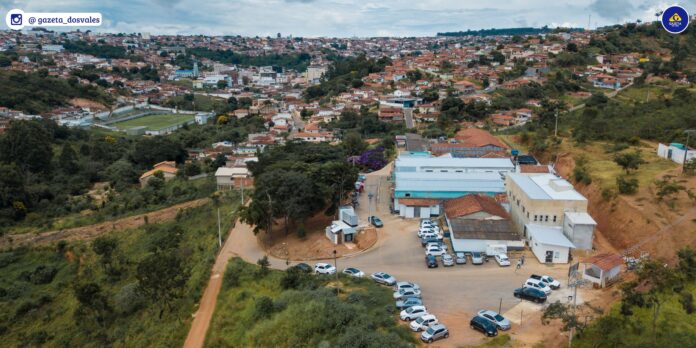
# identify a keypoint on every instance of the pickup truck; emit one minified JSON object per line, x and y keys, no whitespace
{"x":552,"y":283}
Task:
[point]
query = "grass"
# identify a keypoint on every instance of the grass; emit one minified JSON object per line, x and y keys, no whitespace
{"x":497,"y":342}
{"x":155,"y":122}
{"x":35,"y":314}
{"x":643,"y":93}
{"x":306,"y":312}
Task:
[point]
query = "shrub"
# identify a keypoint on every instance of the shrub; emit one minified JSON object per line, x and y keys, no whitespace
{"x":626,"y":185}
{"x":263,"y":308}
{"x":128,"y":299}
{"x":264,"y":264}
{"x":581,"y":175}
{"x":231,"y":278}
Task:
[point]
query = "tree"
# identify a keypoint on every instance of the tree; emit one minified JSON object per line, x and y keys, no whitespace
{"x":68,"y":160}
{"x":162,"y":277}
{"x":28,"y":145}
{"x":626,"y":185}
{"x":121,"y":174}
{"x":629,"y":160}
{"x":105,"y":247}
{"x":93,"y":303}
{"x":220,"y":161}
{"x":354,"y":144}
{"x":221,"y":84}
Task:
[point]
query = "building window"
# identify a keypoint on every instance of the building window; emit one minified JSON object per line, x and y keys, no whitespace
{"x":535,"y":218}
{"x":443,"y":171}
{"x":428,"y":170}
{"x":546,"y":218}
{"x":523,"y":210}
{"x":408,"y":195}
{"x":554,"y":218}
{"x":527,"y":215}
{"x":556,"y":254}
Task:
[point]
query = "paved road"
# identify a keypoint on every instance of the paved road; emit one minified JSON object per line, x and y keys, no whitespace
{"x":408,"y":117}
{"x":454,"y":294}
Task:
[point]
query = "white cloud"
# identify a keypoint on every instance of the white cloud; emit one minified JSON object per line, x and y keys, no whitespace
{"x":342,"y":18}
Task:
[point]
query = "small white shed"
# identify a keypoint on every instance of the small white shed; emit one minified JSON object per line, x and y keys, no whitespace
{"x":549,"y":244}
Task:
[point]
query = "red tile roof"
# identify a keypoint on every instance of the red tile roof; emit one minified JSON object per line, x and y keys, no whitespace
{"x":528,"y":168}
{"x":471,"y":204}
{"x":605,"y":261}
{"x":474,"y":137}
{"x":419,"y":202}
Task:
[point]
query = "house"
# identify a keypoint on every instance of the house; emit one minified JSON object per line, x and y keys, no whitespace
{"x":465,"y":87}
{"x":675,"y":152}
{"x":476,"y":221}
{"x":550,"y":214}
{"x":238,"y":177}
{"x":471,"y":142}
{"x":343,"y":230}
{"x":167,"y":168}
{"x":422,"y":182}
{"x":605,"y":81}
{"x":602,"y":269}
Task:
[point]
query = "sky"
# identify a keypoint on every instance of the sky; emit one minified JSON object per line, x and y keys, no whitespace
{"x":344,"y":18}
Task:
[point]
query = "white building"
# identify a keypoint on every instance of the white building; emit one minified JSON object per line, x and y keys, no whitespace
{"x":675,"y":152}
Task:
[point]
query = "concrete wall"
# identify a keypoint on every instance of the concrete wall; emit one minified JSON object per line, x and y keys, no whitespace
{"x":560,"y":254}
{"x":410,"y":212}
{"x":580,"y":235}
{"x":676,"y":154}
{"x":523,"y":209}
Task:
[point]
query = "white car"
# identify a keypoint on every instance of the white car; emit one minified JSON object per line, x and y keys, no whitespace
{"x":552,"y":283}
{"x":406,"y":285}
{"x":431,"y":235}
{"x":324,"y":268}
{"x":423,"y":323}
{"x":432,"y":229}
{"x":412,"y":313}
{"x":447,"y":260}
{"x":537,"y":284}
{"x":354,"y":272}
{"x":427,"y":223}
{"x":476,"y":258}
{"x":502,"y":260}
{"x":434,"y":250}
{"x":438,"y":244}
{"x":406,"y":293}
{"x":495,"y":318}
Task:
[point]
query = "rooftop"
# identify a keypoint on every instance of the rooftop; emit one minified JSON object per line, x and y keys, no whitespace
{"x":605,"y":261}
{"x":483,"y":229}
{"x":449,"y":182}
{"x":546,"y":187}
{"x":580,"y":218}
{"x":453,"y":162}
{"x":549,"y":235}
{"x":473,"y":203}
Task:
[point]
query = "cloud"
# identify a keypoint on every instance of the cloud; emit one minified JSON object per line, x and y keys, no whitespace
{"x":338,"y":18}
{"x":613,"y":9}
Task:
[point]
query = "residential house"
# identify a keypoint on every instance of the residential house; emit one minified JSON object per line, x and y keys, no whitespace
{"x":238,"y":177}
{"x":167,"y":168}
{"x":676,"y":152}
{"x":602,"y":269}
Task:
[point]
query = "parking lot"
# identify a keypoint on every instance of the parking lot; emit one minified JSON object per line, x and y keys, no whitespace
{"x":454,"y":294}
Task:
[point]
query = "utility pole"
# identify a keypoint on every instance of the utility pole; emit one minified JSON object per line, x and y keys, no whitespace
{"x":686,"y":147}
{"x":500,"y":306}
{"x":270,"y":216}
{"x":369,"y":204}
{"x":242,"y":191}
{"x":219,"y":231}
{"x":555,"y":131}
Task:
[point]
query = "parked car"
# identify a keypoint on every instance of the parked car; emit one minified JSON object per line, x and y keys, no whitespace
{"x":324,"y":268}
{"x":460,"y":258}
{"x":406,"y":285}
{"x":383,"y":278}
{"x":440,"y":244}
{"x":482,"y":324}
{"x":431,"y":229}
{"x":411,"y":313}
{"x":406,"y":293}
{"x":303,"y":267}
{"x":434,"y":333}
{"x":423,"y":323}
{"x":530,"y":294}
{"x":447,"y":260}
{"x":427,"y":223}
{"x":500,"y":322}
{"x":552,"y":283}
{"x":375,"y":221}
{"x":502,"y":260}
{"x":408,"y":302}
{"x":537,"y":284}
{"x":354,"y":272}
{"x":430,"y":261}
{"x":426,"y":241}
{"x":476,"y":258}
{"x":434,"y":250}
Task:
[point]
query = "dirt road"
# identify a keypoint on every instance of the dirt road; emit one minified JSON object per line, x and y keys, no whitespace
{"x":93,"y":231}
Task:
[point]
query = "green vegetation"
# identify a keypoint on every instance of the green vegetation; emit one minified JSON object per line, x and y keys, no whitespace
{"x":91,"y":73}
{"x":345,"y":72}
{"x":199,"y":102}
{"x":293,"y":309}
{"x":506,"y":31}
{"x":156,"y":121}
{"x":656,"y":310}
{"x":297,"y":181}
{"x":98,"y":50}
{"x":37,"y":93}
{"x":297,"y":62}
{"x":133,"y":288}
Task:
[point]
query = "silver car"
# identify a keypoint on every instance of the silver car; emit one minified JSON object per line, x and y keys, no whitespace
{"x":476,"y":258}
{"x":447,"y":260}
{"x":460,"y":258}
{"x":404,"y":285}
{"x":434,"y":333}
{"x":495,"y":318}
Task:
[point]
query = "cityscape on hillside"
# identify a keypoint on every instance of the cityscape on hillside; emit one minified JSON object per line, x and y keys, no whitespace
{"x":532,"y":185}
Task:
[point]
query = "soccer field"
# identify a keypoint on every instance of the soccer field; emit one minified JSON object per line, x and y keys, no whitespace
{"x":154,"y":122}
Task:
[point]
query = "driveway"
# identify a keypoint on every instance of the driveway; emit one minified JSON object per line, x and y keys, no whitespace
{"x":453,"y":294}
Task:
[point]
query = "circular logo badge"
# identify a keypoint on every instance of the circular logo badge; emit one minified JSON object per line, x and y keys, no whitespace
{"x":675,"y":19}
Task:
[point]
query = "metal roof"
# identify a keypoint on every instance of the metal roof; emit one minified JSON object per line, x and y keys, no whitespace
{"x":453,"y":162}
{"x":449,"y":182}
{"x":546,"y":186}
{"x":580,"y":218}
{"x":550,"y":235}
{"x":483,"y":229}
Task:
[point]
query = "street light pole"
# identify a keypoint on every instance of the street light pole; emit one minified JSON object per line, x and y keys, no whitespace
{"x":219,"y":232}
{"x":555,"y":131}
